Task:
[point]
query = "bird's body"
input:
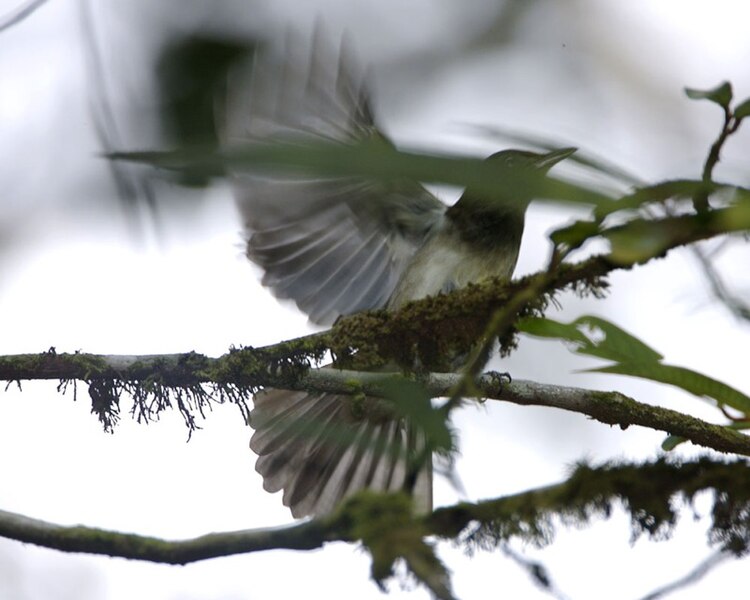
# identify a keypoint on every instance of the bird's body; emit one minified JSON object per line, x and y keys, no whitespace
{"x":450,"y":259}
{"x":342,"y":245}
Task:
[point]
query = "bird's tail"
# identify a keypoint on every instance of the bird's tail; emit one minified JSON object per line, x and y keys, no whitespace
{"x":320,"y":449}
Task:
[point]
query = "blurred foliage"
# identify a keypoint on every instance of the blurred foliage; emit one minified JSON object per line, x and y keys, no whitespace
{"x":412,"y":401}
{"x":191,"y":73}
{"x":372,"y":159}
{"x":386,"y":526}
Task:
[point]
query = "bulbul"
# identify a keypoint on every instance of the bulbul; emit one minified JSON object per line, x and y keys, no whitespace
{"x":341,"y":245}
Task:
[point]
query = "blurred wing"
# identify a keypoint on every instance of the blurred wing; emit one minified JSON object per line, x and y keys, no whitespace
{"x":311,"y":447}
{"x":333,"y":245}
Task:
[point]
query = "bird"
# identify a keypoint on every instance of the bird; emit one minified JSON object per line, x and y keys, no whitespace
{"x":340,"y":245}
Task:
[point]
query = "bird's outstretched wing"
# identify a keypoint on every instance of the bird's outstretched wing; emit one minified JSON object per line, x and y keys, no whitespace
{"x":333,"y":245}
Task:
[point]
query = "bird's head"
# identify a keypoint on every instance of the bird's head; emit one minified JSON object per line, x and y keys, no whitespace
{"x":523,"y":159}
{"x":490,"y":218}
{"x":521,"y":169}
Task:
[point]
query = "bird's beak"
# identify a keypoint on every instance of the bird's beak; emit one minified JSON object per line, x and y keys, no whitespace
{"x":549,"y":160}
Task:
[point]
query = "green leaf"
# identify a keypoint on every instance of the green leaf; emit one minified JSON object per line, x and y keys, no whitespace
{"x":414,"y":403}
{"x":636,"y":242}
{"x":696,"y":383}
{"x":640,"y":239}
{"x":676,"y":188}
{"x":721,"y":94}
{"x":550,"y":328}
{"x":671,"y":442}
{"x":376,"y":160}
{"x":737,"y":216}
{"x":611,"y":342}
{"x":576,"y":234}
{"x":742,"y":110}
{"x":594,"y":336}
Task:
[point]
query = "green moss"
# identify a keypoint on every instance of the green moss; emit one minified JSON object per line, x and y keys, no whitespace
{"x":651,"y":493}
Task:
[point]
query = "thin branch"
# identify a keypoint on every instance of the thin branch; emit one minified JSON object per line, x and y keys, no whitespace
{"x":537,"y":572}
{"x":304,"y":536}
{"x":18,"y":14}
{"x":695,"y":575}
{"x":730,"y":126}
{"x":611,"y":408}
{"x":736,"y":306}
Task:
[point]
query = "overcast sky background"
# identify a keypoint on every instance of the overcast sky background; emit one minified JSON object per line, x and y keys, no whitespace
{"x":76,"y":272}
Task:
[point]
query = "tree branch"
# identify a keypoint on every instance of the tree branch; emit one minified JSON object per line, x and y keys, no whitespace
{"x":611,"y":408}
{"x":304,"y":536}
{"x":587,"y":493}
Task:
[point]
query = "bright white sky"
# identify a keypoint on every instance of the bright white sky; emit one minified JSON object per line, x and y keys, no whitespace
{"x":604,"y":76}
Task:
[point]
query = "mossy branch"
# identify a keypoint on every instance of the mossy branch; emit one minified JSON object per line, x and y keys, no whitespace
{"x":589,"y":492}
{"x":187,"y":389}
{"x":594,"y":491}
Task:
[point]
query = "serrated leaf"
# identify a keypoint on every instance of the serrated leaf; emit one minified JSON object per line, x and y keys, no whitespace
{"x":721,"y":94}
{"x":742,"y":110}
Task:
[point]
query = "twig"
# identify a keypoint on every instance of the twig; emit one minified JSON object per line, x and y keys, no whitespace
{"x":731,"y":124}
{"x":18,"y":14}
{"x":536,"y":570}
{"x":698,"y":573}
{"x":736,"y":306}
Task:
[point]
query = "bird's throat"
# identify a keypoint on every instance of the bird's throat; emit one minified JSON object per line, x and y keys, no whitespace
{"x":487,"y":225}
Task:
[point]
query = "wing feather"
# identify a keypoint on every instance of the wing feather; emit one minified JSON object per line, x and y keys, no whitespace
{"x":322,"y":242}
